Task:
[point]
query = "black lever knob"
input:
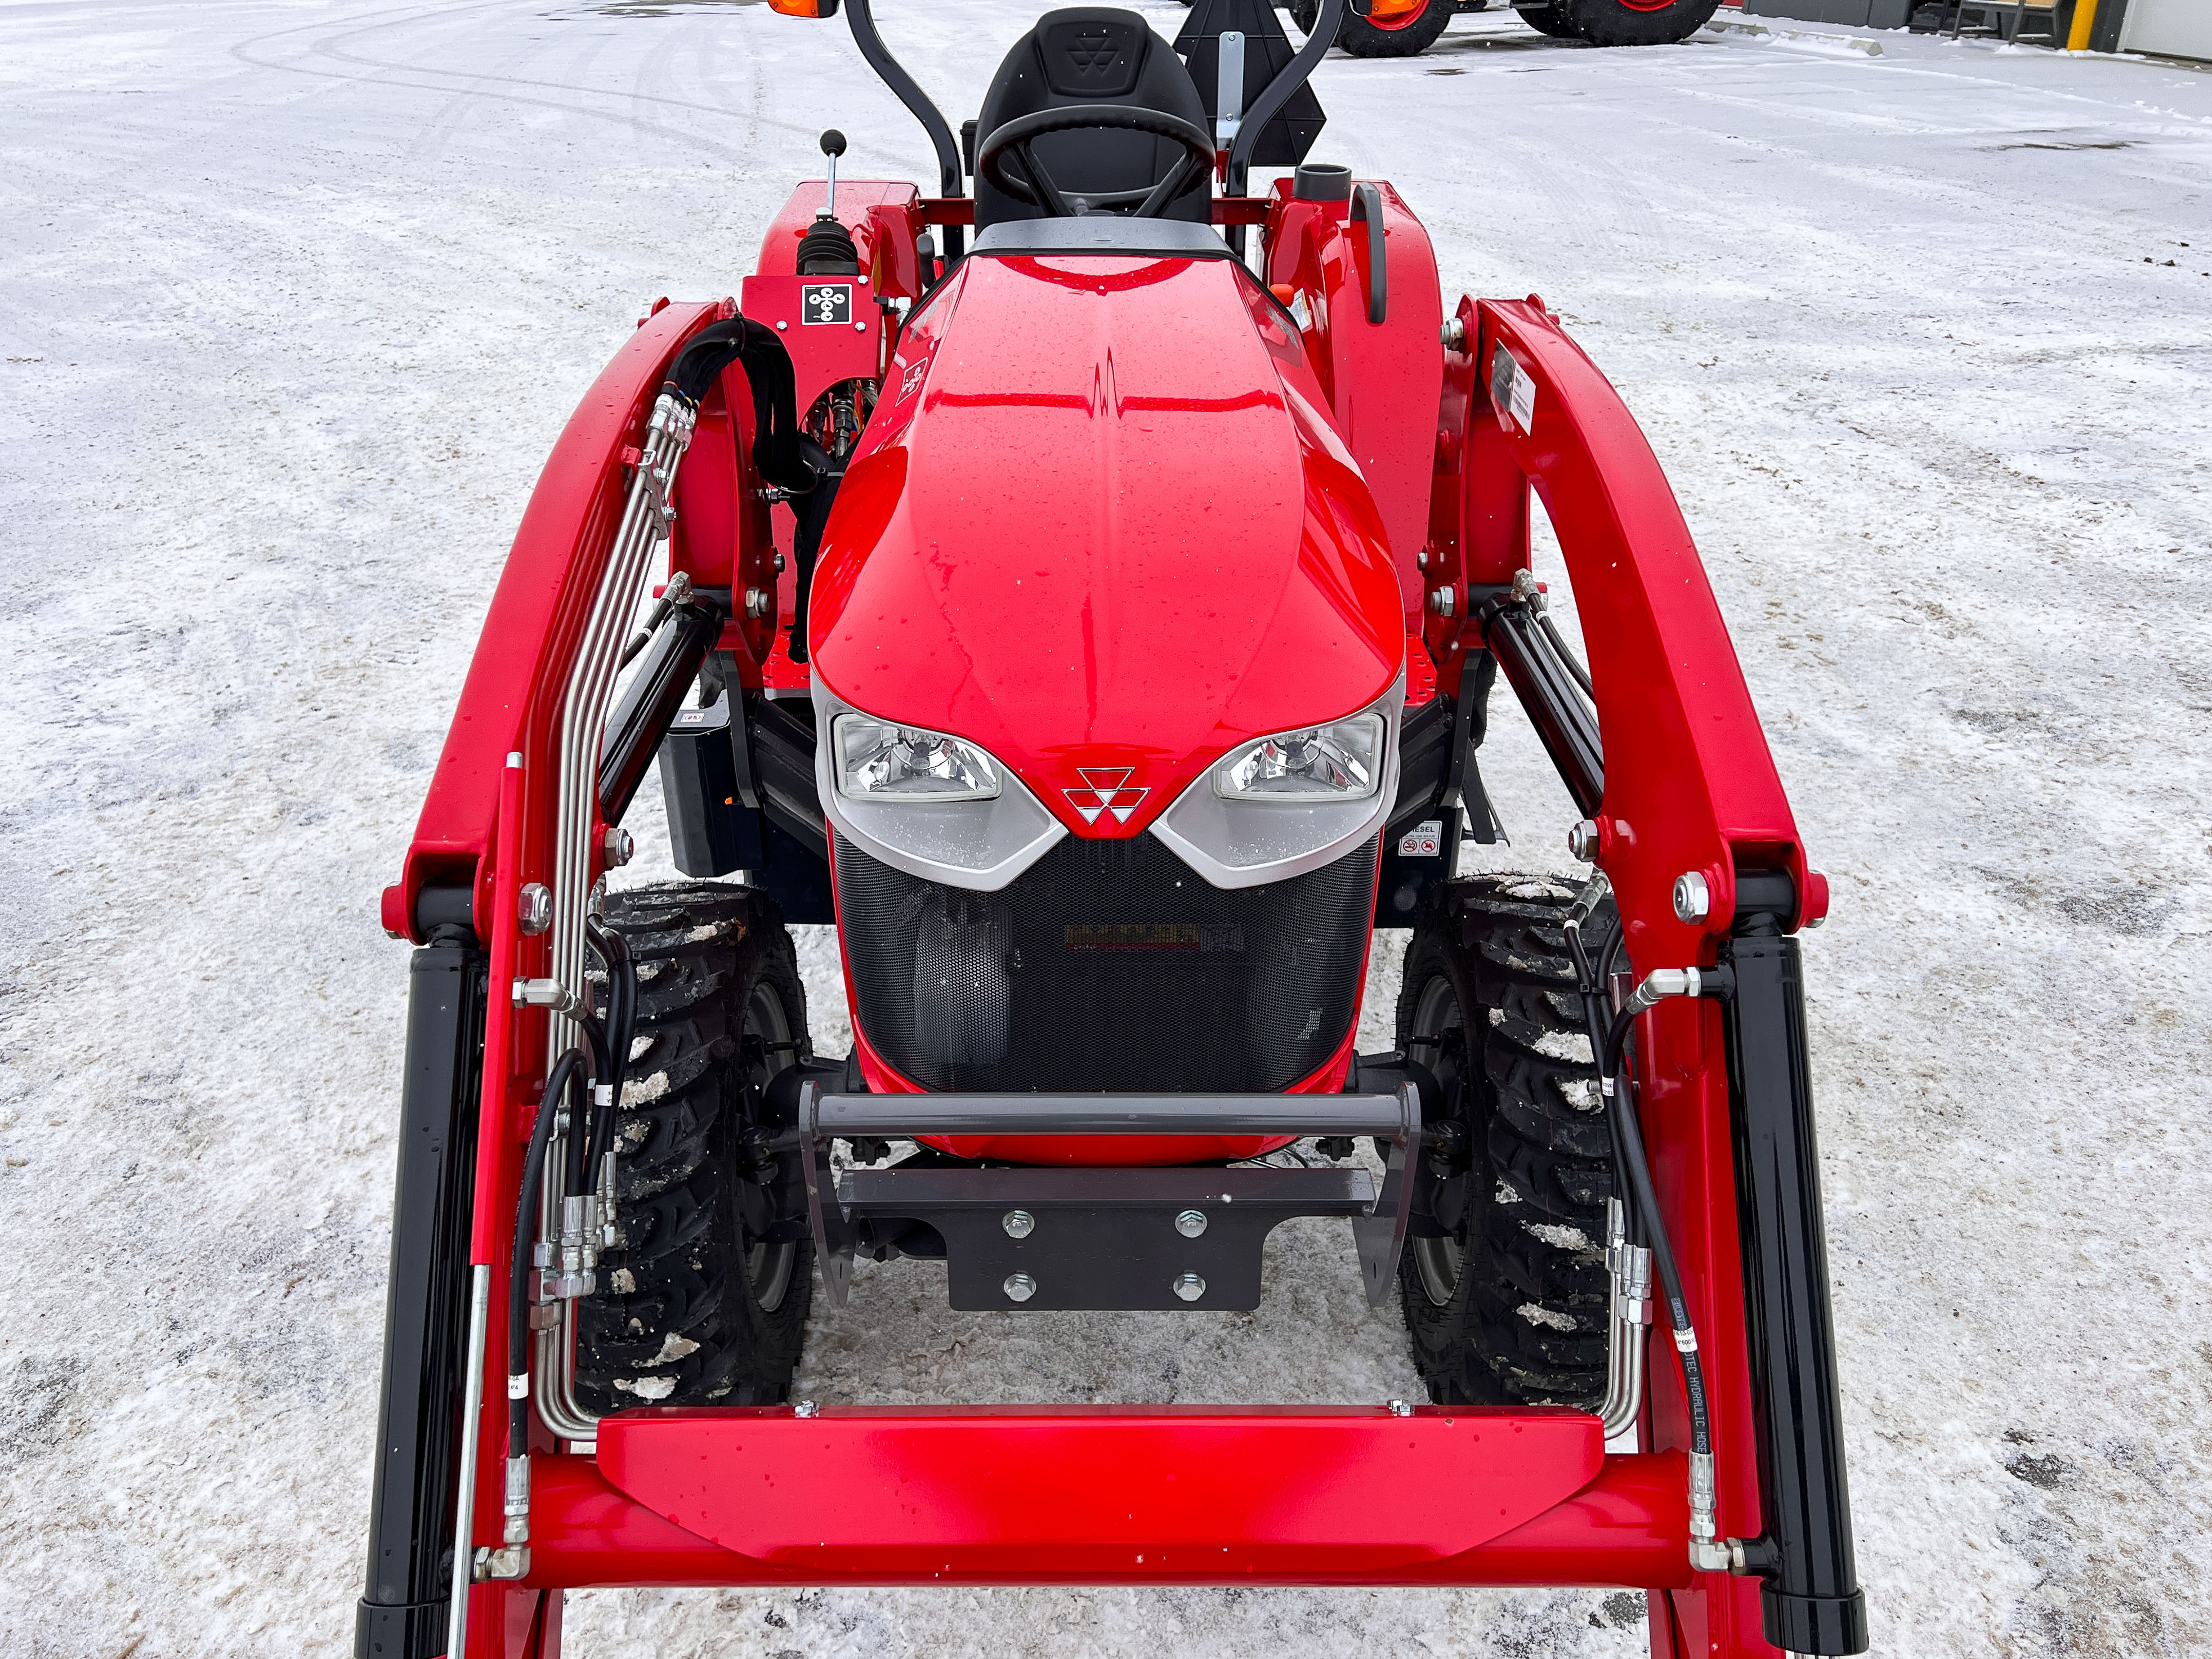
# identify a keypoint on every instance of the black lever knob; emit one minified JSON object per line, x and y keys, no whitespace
{"x":833,"y":143}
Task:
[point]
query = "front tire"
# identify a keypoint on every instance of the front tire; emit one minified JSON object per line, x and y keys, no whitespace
{"x":1502,"y":1281}
{"x":704,"y":1300}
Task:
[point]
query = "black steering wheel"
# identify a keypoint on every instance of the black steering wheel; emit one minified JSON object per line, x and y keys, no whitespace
{"x":1038,"y":189}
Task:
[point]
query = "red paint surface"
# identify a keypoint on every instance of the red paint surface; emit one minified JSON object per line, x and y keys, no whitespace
{"x":1097,"y":521}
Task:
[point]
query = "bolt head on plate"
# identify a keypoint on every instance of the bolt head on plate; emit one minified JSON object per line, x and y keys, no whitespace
{"x":533,"y":907}
{"x":1400,"y":1408}
{"x":1582,"y":841}
{"x":1189,"y":1286}
{"x":1019,"y":1287}
{"x":758,"y":600}
{"x":1018,"y":1223}
{"x":1191,"y":1222}
{"x":1693,"y":900}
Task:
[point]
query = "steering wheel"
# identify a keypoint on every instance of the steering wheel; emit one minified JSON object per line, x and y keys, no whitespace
{"x":1015,"y":138}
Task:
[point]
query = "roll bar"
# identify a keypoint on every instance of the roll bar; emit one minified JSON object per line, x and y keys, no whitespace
{"x":1272,"y":98}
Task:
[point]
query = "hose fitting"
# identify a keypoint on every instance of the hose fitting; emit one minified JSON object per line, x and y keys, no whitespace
{"x":518,"y":1499}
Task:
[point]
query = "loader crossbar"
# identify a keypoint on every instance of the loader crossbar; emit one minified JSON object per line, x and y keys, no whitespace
{"x":1105,"y":1494}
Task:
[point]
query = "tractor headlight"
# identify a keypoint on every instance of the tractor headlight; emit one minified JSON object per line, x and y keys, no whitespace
{"x":878,"y":760}
{"x":1285,"y":805}
{"x":941,"y":808}
{"x":1341,"y":761}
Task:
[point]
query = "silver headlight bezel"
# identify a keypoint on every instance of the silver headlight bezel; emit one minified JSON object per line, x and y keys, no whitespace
{"x":1246,"y":840}
{"x":977,"y":843}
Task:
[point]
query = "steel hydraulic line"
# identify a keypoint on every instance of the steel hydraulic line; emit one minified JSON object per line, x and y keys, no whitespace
{"x":563,"y":1078}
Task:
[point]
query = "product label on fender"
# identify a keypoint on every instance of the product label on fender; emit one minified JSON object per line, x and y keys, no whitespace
{"x":825,"y":302}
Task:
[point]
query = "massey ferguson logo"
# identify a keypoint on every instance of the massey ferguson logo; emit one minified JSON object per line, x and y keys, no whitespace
{"x":1107,"y":790}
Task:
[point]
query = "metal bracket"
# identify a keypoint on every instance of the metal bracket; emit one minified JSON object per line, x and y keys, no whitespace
{"x":1379,"y":1223}
{"x":1381,"y":1234}
{"x":833,"y":1232}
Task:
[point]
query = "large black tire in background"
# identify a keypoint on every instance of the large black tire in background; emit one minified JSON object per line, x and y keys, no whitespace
{"x":1617,"y":23}
{"x":704,"y":1300}
{"x":1551,"y":19}
{"x":1364,"y":40}
{"x":1503,"y":1279}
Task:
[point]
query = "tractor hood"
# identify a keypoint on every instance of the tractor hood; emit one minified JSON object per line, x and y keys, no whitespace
{"x":1100,"y":525}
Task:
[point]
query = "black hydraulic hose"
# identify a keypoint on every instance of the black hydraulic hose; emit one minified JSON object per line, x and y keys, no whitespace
{"x":1277,"y":92}
{"x":775,"y":390}
{"x":1566,"y":656}
{"x":567,"y":1071}
{"x":622,"y":1021}
{"x":1662,"y":1250}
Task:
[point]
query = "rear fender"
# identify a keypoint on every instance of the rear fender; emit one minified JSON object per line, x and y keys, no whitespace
{"x":1381,"y":379}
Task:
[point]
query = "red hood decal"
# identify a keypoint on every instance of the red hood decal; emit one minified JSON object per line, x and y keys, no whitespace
{"x":1100,"y":526}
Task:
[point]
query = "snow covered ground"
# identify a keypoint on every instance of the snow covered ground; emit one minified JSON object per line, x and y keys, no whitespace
{"x":294,"y":296}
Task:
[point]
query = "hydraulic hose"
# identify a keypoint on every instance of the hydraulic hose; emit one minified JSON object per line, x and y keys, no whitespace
{"x":769,"y":375}
{"x":1644,"y":1219}
{"x":1662,"y":1250}
{"x":566,"y":1073}
{"x":622,"y":1023}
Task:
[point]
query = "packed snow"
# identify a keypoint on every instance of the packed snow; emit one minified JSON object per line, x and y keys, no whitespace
{"x":295,"y":296}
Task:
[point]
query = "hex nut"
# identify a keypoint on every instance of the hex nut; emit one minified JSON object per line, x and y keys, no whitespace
{"x":1018,"y":1223}
{"x":1584,"y":840}
{"x":533,"y":907}
{"x":1019,"y":1287}
{"x":1693,"y":900}
{"x":1191,"y":1222}
{"x":1189,"y":1286}
{"x":621,"y":846}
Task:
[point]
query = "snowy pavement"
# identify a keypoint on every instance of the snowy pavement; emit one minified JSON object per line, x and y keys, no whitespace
{"x":293,"y":297}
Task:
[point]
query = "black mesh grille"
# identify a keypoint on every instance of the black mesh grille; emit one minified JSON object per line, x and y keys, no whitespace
{"x":1108,"y":965}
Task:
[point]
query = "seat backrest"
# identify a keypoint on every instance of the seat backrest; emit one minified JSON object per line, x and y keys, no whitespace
{"x":1093,"y":55}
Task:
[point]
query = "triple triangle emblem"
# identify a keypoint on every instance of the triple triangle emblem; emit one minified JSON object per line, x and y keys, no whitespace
{"x":1107,"y":790}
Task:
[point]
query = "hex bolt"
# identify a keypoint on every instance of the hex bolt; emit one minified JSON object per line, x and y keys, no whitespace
{"x":1018,"y":1223}
{"x":1189,"y":1286}
{"x":1400,"y":1408}
{"x":1582,"y":841}
{"x":533,"y":907}
{"x":758,"y":601}
{"x":1191,"y":1222}
{"x":1693,"y":900}
{"x":621,"y":846}
{"x":1453,"y":333}
{"x":1019,"y":1287}
{"x":805,"y":1408}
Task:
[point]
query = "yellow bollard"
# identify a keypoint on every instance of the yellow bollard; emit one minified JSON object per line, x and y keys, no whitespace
{"x":2085,"y":19}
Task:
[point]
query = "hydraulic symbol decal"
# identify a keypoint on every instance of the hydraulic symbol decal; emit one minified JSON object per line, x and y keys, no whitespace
{"x":825,"y":302}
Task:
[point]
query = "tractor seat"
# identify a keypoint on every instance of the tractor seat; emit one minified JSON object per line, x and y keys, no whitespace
{"x":1093,"y":55}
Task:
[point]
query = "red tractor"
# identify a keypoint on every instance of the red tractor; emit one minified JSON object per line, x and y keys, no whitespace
{"x":1096,"y":620}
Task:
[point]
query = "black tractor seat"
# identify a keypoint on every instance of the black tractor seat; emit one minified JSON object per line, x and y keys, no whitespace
{"x":1093,"y":55}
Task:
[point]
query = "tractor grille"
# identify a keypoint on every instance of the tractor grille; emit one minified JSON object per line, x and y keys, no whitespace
{"x":1107,"y":965}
